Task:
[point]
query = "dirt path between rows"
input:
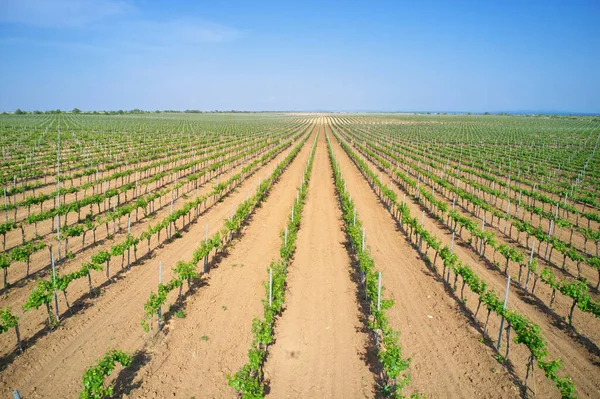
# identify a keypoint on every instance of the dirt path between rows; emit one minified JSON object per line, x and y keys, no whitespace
{"x":434,"y":332}
{"x":579,"y":362}
{"x":17,"y":295}
{"x":212,"y":341}
{"x":113,"y":321}
{"x":319,"y":349}
{"x":40,"y":260}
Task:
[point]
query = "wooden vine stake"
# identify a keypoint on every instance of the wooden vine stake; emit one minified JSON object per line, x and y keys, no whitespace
{"x":362,"y":248}
{"x":507,"y":216}
{"x":482,"y":237}
{"x":378,"y":304}
{"x":530,"y":366}
{"x":5,"y":206}
{"x":231,"y":232}
{"x":58,"y":233}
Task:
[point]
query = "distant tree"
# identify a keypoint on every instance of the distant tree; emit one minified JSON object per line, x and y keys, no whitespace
{"x":120,"y":112}
{"x":486,"y":113}
{"x":37,"y":112}
{"x":20,"y":112}
{"x":76,"y":111}
{"x":157,"y":112}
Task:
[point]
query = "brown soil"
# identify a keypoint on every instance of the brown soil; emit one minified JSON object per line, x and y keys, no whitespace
{"x":40,"y":261}
{"x":578,"y":353}
{"x":322,"y":346}
{"x":59,"y":358}
{"x":319,"y":349}
{"x":199,"y":351}
{"x":435,"y":333}
{"x":33,"y":322}
{"x":44,"y":228}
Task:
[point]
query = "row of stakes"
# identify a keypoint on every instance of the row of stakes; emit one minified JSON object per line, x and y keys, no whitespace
{"x":53,"y":263}
{"x":452,"y":249}
{"x":206,"y":257}
{"x":16,"y":394}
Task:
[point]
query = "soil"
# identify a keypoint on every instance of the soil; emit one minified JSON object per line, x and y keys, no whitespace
{"x":197,"y":353}
{"x":320,"y":344}
{"x":434,"y":331}
{"x":579,"y":353}
{"x":59,"y":357}
{"x":322,"y":347}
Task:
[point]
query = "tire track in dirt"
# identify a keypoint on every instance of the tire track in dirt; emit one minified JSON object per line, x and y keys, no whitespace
{"x":114,"y":320}
{"x":434,"y":333}
{"x":319,"y":347}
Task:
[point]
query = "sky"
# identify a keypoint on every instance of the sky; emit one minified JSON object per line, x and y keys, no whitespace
{"x":461,"y":56}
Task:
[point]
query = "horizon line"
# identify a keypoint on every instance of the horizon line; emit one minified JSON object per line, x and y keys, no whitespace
{"x":420,"y":112}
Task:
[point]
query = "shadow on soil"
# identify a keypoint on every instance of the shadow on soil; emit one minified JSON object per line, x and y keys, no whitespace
{"x":369,"y":353}
{"x":469,"y":315}
{"x":524,"y":295}
{"x":85,"y":301}
{"x":44,"y":271}
{"x":124,"y":383}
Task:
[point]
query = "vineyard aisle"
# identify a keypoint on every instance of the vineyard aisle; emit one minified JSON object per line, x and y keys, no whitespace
{"x":18,"y":295}
{"x":114,"y":319}
{"x":212,"y":340}
{"x":434,"y":333}
{"x":580,"y":363}
{"x":319,"y":348}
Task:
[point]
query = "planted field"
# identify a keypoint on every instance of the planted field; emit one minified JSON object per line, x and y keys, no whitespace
{"x":298,"y":255}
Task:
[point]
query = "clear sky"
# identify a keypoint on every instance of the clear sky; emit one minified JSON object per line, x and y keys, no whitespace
{"x":307,"y":55}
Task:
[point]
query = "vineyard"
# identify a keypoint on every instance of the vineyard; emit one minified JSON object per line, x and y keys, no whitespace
{"x":299,"y":255}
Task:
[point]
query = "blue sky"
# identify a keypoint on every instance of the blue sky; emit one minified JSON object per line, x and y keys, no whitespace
{"x":310,"y":55}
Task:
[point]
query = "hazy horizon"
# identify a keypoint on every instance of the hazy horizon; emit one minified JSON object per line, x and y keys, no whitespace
{"x":309,"y":111}
{"x":370,"y":57}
